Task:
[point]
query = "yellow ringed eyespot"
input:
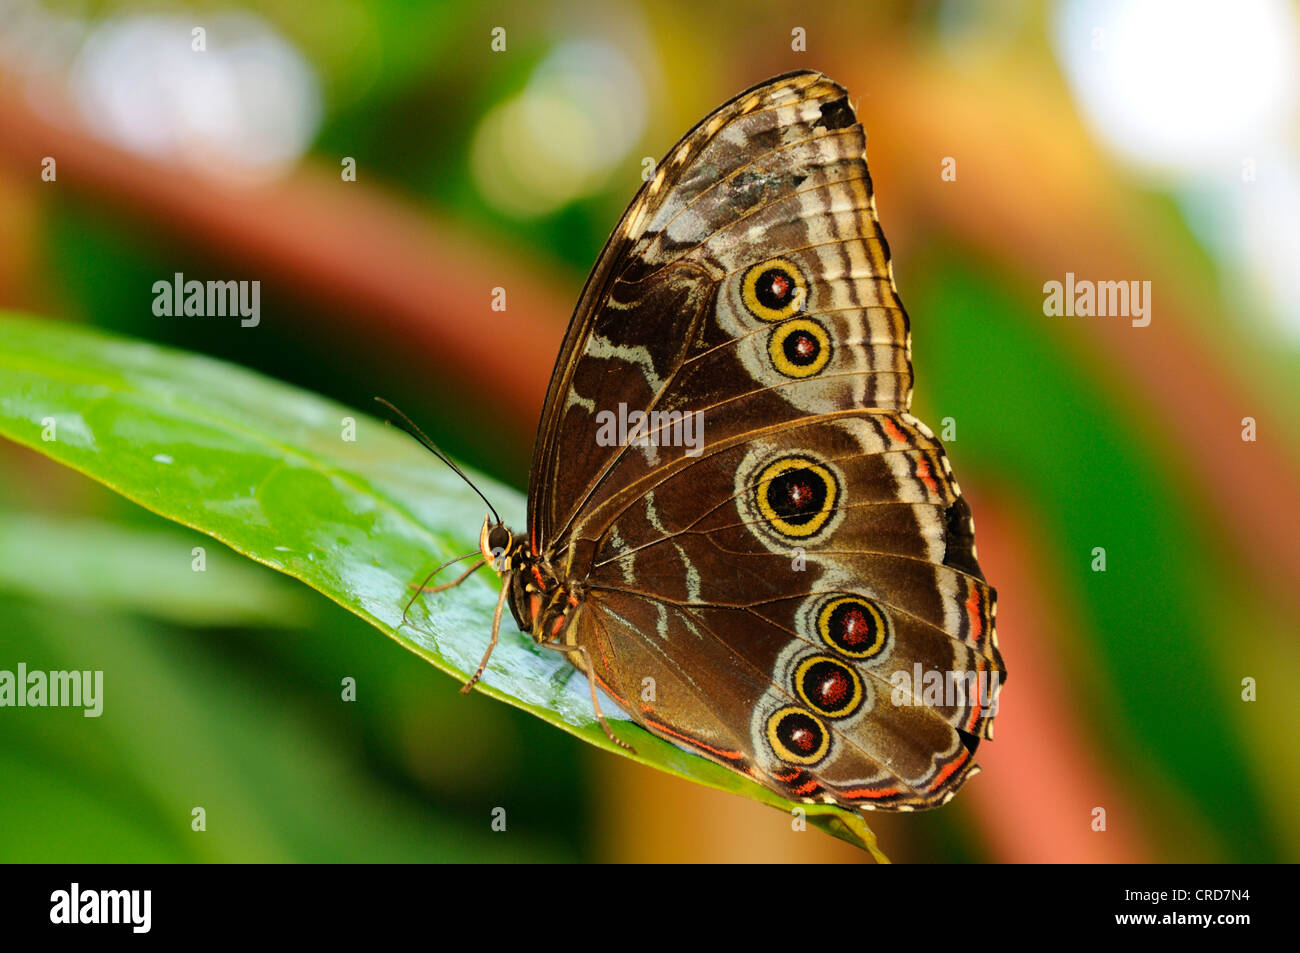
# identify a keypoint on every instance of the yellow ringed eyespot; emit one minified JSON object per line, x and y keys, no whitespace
{"x":797,"y":736}
{"x":828,"y":686}
{"x":799,"y":348}
{"x":797,"y":495}
{"x":774,"y":290}
{"x":853,"y":626}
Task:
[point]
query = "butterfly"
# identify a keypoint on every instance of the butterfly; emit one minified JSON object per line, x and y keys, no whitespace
{"x":736,"y":528}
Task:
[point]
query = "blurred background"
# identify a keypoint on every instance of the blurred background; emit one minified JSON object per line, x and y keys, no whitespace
{"x":381,"y":168}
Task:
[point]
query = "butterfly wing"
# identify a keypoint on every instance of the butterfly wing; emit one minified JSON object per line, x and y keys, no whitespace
{"x":776,"y":549}
{"x":831,"y":608}
{"x":750,"y":177}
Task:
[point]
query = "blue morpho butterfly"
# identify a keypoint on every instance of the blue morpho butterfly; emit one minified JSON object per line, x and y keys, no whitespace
{"x":768,"y":557}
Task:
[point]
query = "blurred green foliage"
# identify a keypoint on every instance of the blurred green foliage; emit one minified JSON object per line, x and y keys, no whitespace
{"x":236,"y":692}
{"x":1030,"y":416}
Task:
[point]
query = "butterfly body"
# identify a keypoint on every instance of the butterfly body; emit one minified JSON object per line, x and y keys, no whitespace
{"x":736,"y":526}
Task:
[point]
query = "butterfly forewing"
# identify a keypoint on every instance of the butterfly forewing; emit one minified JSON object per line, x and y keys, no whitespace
{"x":768,"y":547}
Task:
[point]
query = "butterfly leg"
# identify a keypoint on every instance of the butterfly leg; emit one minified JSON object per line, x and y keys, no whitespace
{"x":424,"y":586}
{"x":591,"y":683}
{"x":496,"y":630}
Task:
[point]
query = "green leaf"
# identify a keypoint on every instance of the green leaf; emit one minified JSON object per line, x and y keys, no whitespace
{"x":325,"y":494}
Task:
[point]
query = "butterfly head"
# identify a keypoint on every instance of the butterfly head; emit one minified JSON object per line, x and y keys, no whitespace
{"x":497,"y":544}
{"x":537,"y":599}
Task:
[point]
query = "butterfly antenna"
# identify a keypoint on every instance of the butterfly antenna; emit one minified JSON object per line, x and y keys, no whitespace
{"x":409,"y":426}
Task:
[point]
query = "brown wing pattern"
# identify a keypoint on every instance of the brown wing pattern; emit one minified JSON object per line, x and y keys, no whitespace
{"x":779,"y":167}
{"x":776,"y":561}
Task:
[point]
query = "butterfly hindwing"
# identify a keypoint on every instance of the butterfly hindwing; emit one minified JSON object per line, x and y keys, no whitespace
{"x":753,"y":598}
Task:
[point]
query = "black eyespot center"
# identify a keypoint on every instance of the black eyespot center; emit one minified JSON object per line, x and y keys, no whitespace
{"x":775,"y":288}
{"x":828,"y":683}
{"x":801,"y":348}
{"x":797,"y":495}
{"x":799,"y":732}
